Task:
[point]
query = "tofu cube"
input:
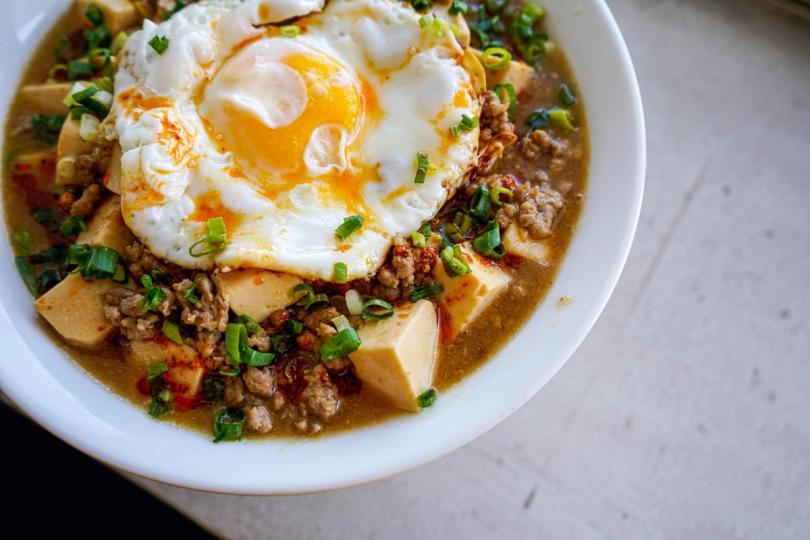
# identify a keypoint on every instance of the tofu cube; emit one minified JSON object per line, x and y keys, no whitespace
{"x":517,"y":241}
{"x":517,"y":74}
{"x":465,"y":297}
{"x":107,"y":227}
{"x":398,"y":354}
{"x":70,"y":142}
{"x":112,"y":178}
{"x":75,"y":309}
{"x":186,"y":368}
{"x":257,"y":293}
{"x":45,"y":98}
{"x":39,"y":164}
{"x":118,"y":14}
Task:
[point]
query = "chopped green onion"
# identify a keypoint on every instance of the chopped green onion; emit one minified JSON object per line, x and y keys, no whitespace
{"x":562,"y":118}
{"x":118,"y":42}
{"x":229,"y":424}
{"x":426,"y":20}
{"x":488,"y":243}
{"x":172,"y":331}
{"x":104,"y":83}
{"x":341,"y":322}
{"x":496,"y":58}
{"x":467,"y":124}
{"x":158,"y":274}
{"x":426,"y":291}
{"x":426,"y":231}
{"x":453,"y":233}
{"x":233,"y":337}
{"x":495,"y":6}
{"x":101,"y":263}
{"x":159,"y":43}
{"x":180,"y":4}
{"x":156,"y":370}
{"x":57,"y":253}
{"x":421,"y":5}
{"x":99,"y":57}
{"x":537,"y":119}
{"x":354,"y":301}
{"x":427,"y":398}
{"x":349,"y":226}
{"x":154,"y":294}
{"x":463,"y":221}
{"x":237,"y":347}
{"x":305,"y":299}
{"x":375,"y":309}
{"x":97,"y":37}
{"x":250,"y":324}
{"x":341,"y":273}
{"x":319,"y":301}
{"x":94,"y":15}
{"x":510,"y":94}
{"x":256,"y":358}
{"x":73,"y":226}
{"x":346,"y":341}
{"x":48,"y":279}
{"x":22,"y":242}
{"x":46,"y":128}
{"x":78,"y":68}
{"x":26,"y":274}
{"x":190,"y":293}
{"x":567,"y":96}
{"x":418,"y":239}
{"x":89,"y":99}
{"x":43,"y":215}
{"x":533,"y":11}
{"x":457,"y":6}
{"x":499,"y":193}
{"x":216,"y":238}
{"x":532,"y":52}
{"x":213,"y":389}
{"x":481,"y":204}
{"x":59,"y":72}
{"x":295,"y":327}
{"x":454,"y":262}
{"x":88,"y":127}
{"x":289,"y":31}
{"x":422,"y":165}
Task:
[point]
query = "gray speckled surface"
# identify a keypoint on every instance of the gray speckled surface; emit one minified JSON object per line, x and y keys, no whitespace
{"x":686,"y":412}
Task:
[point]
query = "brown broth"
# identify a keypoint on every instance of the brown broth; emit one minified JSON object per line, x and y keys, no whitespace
{"x":457,"y":359}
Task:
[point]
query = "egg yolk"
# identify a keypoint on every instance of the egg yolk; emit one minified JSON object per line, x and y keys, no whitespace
{"x":264,"y":106}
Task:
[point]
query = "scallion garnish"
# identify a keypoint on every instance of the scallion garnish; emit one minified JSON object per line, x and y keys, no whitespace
{"x":22,"y":242}
{"x":216,"y":238}
{"x":47,"y":279}
{"x":495,"y":6}
{"x":99,"y":57}
{"x":567,"y":96}
{"x":453,"y":233}
{"x":463,"y":221}
{"x":426,"y":291}
{"x":320,"y":300}
{"x":118,"y":42}
{"x":346,"y":341}
{"x":289,"y":31}
{"x":97,"y":37}
{"x":172,"y":331}
{"x":213,"y":389}
{"x":421,"y":5}
{"x":73,"y":226}
{"x":229,"y":424}
{"x":349,"y":226}
{"x":250,"y":323}
{"x":457,"y":6}
{"x":77,"y":69}
{"x":156,"y":370}
{"x":354,"y":301}
{"x":159,"y":43}
{"x":43,"y":215}
{"x":306,"y":298}
{"x":376,"y":309}
{"x":154,"y":294}
{"x":418,"y":239}
{"x":454,"y":262}
{"x":341,"y":272}
{"x":422,"y":165}
{"x":561,"y":118}
{"x":537,"y":119}
{"x":237,"y":347}
{"x":94,"y":15}
{"x":58,"y":72}
{"x":190,"y":293}
{"x":46,"y":128}
{"x":496,"y":58}
{"x":426,"y":230}
{"x":26,"y":274}
{"x":507,"y":88}
{"x":295,"y":327}
{"x":465,"y":125}
{"x":488,"y":243}
{"x":481,"y":204}
{"x":94,"y":262}
{"x":161,"y":396}
{"x":427,"y":398}
{"x":498,"y":194}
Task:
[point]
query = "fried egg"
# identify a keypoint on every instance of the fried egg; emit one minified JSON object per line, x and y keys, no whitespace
{"x":285,"y":137}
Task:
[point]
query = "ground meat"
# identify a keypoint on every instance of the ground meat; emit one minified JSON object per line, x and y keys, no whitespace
{"x":260,"y":381}
{"x":408,"y":265}
{"x":209,"y":314}
{"x":91,"y":165}
{"x":141,"y":260}
{"x":534,"y":207}
{"x":496,"y":131}
{"x":314,"y":319}
{"x":257,"y":418}
{"x":279,"y":318}
{"x":320,"y":396}
{"x":86,"y":204}
{"x":234,"y":393}
{"x":122,"y":307}
{"x":260,"y":340}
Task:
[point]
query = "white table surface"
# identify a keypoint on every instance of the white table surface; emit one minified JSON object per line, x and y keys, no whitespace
{"x":686,"y":412}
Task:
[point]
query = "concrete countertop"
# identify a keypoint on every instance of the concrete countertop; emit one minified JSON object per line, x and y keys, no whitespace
{"x":686,"y":412}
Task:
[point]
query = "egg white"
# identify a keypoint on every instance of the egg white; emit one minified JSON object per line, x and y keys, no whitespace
{"x":177,"y":170}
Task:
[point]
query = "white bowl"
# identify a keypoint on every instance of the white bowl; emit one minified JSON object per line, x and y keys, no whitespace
{"x":38,"y":376}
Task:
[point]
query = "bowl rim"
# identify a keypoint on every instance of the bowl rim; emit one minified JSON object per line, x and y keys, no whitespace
{"x":105,"y":449}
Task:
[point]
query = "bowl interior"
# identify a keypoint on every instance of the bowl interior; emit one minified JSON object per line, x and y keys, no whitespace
{"x":39,"y":377}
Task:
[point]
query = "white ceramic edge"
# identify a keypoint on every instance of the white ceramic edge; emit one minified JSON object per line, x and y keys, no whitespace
{"x":69,"y":427}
